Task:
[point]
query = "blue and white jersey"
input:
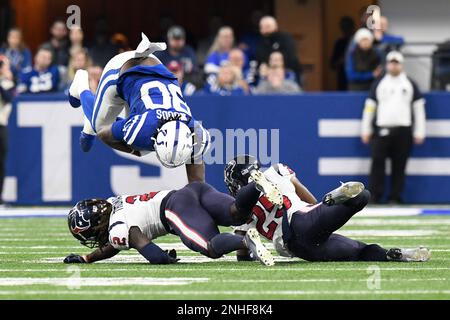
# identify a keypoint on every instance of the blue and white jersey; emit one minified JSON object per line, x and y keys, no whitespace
{"x":154,"y":97}
{"x":40,"y":81}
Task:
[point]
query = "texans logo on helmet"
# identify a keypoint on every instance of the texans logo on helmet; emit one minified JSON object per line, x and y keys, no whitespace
{"x":79,"y":223}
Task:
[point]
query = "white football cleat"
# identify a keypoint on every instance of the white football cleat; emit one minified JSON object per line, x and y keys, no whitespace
{"x":79,"y":84}
{"x":260,"y":252}
{"x":343,"y":193}
{"x":419,"y":254}
{"x":269,"y":189}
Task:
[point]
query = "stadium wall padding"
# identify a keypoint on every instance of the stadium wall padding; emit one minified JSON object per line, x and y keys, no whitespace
{"x":316,"y":134}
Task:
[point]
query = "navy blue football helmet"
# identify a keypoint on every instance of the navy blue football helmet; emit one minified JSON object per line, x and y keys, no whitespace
{"x":237,"y":172}
{"x":85,"y":217}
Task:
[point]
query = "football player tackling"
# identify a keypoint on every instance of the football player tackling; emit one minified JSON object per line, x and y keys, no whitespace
{"x":305,"y":229}
{"x":157,"y":118}
{"x":193,"y":213}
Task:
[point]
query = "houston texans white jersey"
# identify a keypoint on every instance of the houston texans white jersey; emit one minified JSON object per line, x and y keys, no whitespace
{"x":266,"y":217}
{"x":142,"y":211}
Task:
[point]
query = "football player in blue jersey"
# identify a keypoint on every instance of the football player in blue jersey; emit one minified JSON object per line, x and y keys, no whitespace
{"x":157,"y":118}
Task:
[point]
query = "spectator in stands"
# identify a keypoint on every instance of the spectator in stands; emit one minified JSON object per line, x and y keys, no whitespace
{"x":102,"y":49}
{"x":276,"y":60}
{"x":80,"y":60}
{"x":218,"y":53}
{"x":94,"y":74}
{"x":347,"y":26}
{"x":187,"y":88}
{"x":276,"y":83}
{"x":227,"y":83}
{"x":384,"y":41}
{"x":44,"y":77}
{"x":275,"y":40}
{"x":76,"y":37}
{"x":362,"y":62}
{"x":236,"y":58}
{"x":19,"y":56}
{"x":6,"y":95}
{"x":393,"y":119}
{"x":178,"y":50}
{"x":59,"y":43}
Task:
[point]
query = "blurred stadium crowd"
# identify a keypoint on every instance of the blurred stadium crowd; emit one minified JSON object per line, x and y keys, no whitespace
{"x":263,"y":61}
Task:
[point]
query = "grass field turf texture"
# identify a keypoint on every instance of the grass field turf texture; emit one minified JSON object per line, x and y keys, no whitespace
{"x":32,"y":250}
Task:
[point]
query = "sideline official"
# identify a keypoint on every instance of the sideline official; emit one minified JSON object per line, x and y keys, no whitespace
{"x":393,"y":120}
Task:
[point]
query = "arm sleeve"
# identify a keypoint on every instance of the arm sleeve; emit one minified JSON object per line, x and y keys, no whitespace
{"x":117,"y":129}
{"x":418,"y":106}
{"x":370,"y":107}
{"x":154,"y":254}
{"x":118,"y":235}
{"x":419,"y":118}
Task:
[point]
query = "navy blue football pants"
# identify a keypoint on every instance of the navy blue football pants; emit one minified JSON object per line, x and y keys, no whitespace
{"x":195,"y":212}
{"x":312,"y":234}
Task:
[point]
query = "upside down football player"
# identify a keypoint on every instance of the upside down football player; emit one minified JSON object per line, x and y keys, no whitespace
{"x":304,"y":228}
{"x":157,"y":118}
{"x":193,"y":213}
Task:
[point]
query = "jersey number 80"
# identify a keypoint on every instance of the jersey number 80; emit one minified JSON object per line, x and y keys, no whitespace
{"x":171,"y":97}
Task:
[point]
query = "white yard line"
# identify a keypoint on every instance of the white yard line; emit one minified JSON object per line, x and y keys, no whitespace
{"x":152,"y":281}
{"x":96,"y":282}
{"x":306,"y":267}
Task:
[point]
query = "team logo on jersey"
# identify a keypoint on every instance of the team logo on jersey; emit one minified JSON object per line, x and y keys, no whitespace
{"x":79,"y":223}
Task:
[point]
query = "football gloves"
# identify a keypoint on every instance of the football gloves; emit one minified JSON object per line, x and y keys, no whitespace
{"x":74,"y":258}
{"x":172,"y":254}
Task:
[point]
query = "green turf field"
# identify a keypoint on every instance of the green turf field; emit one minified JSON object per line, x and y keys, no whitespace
{"x":32,"y":249}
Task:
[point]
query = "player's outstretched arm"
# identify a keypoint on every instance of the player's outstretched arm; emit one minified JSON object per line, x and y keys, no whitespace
{"x":107,"y":137}
{"x":103,"y":253}
{"x":303,"y":192}
{"x":149,"y":250}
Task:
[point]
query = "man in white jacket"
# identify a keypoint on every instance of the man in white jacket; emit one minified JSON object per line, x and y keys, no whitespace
{"x":393,"y":120}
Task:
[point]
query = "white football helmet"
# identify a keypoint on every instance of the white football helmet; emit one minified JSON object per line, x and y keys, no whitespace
{"x":174,"y":144}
